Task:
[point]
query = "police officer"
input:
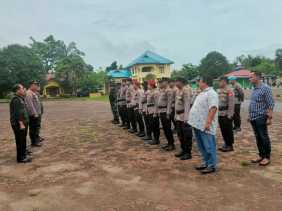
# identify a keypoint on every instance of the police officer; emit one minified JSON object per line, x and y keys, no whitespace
{"x":143,"y":108}
{"x":182,"y":108}
{"x":152,"y":112}
{"x":34,"y":110}
{"x":122,"y":104}
{"x":239,"y":98}
{"x":19,"y":122}
{"x":225,"y":115}
{"x":164,"y":110}
{"x":113,"y":102}
{"x":130,"y":104}
{"x":138,"y":115}
{"x":42,"y":110}
{"x":173,"y":90}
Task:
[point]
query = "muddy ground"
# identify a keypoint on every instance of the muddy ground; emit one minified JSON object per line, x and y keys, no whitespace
{"x":88,"y":164}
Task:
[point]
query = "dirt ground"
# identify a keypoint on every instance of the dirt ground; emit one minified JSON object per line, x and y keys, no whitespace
{"x":88,"y":164}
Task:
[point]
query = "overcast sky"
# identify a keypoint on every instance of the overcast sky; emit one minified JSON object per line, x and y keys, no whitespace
{"x":182,"y":30}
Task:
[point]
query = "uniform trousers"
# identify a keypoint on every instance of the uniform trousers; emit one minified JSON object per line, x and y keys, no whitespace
{"x":139,"y":120}
{"x":34,"y":128}
{"x":131,"y":117}
{"x":20,"y":136}
{"x":237,"y":117}
{"x":166,"y":123}
{"x":185,"y":135}
{"x":226,"y":128}
{"x":154,"y":126}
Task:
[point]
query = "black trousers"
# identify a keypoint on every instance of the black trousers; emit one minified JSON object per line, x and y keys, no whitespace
{"x":154,"y":126}
{"x":166,"y":123}
{"x":132,"y":119}
{"x":173,"y":117}
{"x":147,"y":123}
{"x":185,"y":135}
{"x":262,"y":137}
{"x":34,"y":128}
{"x":237,"y":116}
{"x":20,"y":136}
{"x":139,"y":120}
{"x":123,"y":114}
{"x":226,"y":128}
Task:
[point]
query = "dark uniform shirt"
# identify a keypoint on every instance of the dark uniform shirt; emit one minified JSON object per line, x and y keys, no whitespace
{"x":18,"y":111}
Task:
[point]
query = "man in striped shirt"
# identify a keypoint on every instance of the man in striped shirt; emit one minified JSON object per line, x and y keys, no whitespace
{"x":260,"y":117}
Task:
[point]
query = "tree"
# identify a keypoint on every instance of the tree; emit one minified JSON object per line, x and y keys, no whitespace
{"x":18,"y":64}
{"x":113,"y":66}
{"x":71,"y":70}
{"x":266,"y":66}
{"x":213,"y":65}
{"x":278,"y":60}
{"x":188,"y":71}
{"x":51,"y":51}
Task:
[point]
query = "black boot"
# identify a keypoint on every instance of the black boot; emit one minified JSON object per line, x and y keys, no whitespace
{"x":155,"y":142}
{"x":186,"y":156}
{"x":170,"y":148}
{"x":179,"y":154}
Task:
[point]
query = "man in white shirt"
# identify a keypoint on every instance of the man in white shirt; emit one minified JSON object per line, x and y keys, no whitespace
{"x":203,"y":118}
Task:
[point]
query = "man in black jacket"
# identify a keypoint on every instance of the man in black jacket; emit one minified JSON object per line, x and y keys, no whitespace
{"x":19,"y":122}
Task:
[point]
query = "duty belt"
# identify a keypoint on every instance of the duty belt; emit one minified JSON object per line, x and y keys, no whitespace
{"x":180,"y":112}
{"x":128,"y":101}
{"x":121,"y":100}
{"x":162,"y":107}
{"x":150,"y":105}
{"x":223,"y":108}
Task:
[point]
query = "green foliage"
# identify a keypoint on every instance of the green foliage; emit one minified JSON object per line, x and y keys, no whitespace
{"x":188,"y":71}
{"x":113,"y":66}
{"x":18,"y":64}
{"x":213,"y":65}
{"x":51,"y":51}
{"x":278,"y":60}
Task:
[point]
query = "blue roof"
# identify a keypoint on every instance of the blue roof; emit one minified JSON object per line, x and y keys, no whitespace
{"x":124,"y":73}
{"x":150,"y":57}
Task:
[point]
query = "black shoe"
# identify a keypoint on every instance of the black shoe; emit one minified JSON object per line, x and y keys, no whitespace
{"x":26,"y":160}
{"x":227,"y":149}
{"x":36,"y":145}
{"x":208,"y":170}
{"x":122,"y":125}
{"x":179,"y":154}
{"x":141,"y":135}
{"x":147,"y":138}
{"x":170,"y":148}
{"x":41,"y":139}
{"x":115,"y":122}
{"x":221,"y":148}
{"x":131,"y":131}
{"x":165,"y":146}
{"x":201,"y":167}
{"x":28,"y":152}
{"x":155,"y":142}
{"x":186,"y":157}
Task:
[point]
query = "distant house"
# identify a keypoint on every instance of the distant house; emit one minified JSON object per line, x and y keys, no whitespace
{"x":150,"y":64}
{"x":243,"y":77}
{"x":53,"y":87}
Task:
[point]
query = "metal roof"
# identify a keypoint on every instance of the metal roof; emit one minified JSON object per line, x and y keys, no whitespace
{"x":150,"y":57}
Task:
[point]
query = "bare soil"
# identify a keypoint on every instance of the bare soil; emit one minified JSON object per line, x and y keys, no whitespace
{"x":88,"y":164}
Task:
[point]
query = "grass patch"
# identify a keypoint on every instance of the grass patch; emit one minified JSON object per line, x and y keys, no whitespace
{"x":4,"y":100}
{"x":104,"y":98}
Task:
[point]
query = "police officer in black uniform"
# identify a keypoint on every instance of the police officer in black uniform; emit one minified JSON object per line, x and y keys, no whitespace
{"x":113,"y":102}
{"x":19,"y":122}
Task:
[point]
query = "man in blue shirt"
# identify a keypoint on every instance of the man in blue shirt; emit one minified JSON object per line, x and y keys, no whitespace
{"x":260,"y":117}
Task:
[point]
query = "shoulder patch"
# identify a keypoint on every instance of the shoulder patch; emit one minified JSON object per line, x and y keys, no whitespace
{"x":230,"y":93}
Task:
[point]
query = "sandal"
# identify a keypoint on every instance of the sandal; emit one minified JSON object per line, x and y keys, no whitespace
{"x":258,"y":160}
{"x":264,"y":162}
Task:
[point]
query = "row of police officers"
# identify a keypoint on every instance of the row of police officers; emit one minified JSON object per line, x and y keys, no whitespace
{"x":140,"y":110}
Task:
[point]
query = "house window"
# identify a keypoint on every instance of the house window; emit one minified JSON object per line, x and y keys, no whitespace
{"x":146,"y":69}
{"x":162,"y":71}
